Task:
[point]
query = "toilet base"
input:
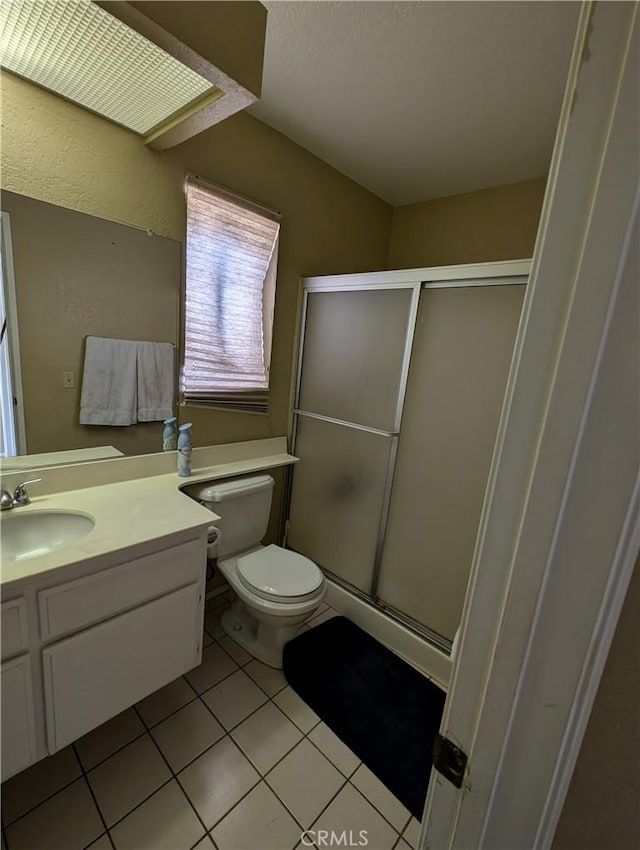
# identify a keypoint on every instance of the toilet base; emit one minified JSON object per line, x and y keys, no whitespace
{"x":265,"y":641}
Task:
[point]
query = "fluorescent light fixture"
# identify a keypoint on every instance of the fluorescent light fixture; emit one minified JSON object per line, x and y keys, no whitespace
{"x":79,"y":51}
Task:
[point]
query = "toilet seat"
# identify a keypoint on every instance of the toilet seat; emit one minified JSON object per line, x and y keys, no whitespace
{"x":279,"y":575}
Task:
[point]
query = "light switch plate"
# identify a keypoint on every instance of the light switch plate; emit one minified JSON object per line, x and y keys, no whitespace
{"x":68,"y":380}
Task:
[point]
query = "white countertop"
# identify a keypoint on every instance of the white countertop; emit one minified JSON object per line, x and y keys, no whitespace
{"x":126,"y":514}
{"x":24,"y":463}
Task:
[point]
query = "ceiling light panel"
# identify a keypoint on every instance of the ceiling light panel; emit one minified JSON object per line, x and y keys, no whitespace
{"x":78,"y":50}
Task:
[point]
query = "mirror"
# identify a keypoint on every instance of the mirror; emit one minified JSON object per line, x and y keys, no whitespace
{"x":76,"y":276}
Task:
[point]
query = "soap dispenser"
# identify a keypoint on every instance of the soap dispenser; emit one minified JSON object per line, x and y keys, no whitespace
{"x":184,"y":450}
{"x":170,"y":435}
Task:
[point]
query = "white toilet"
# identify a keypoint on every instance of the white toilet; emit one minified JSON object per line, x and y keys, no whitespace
{"x":276,"y":589}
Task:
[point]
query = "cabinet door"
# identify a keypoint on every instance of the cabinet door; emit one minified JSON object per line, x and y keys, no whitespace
{"x":94,"y":675}
{"x":18,"y":732}
{"x":13,"y":622}
{"x":74,"y":605}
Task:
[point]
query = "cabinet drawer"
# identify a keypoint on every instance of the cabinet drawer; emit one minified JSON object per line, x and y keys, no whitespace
{"x":72,"y":606}
{"x":18,"y":729}
{"x":14,"y":632}
{"x":92,"y":676}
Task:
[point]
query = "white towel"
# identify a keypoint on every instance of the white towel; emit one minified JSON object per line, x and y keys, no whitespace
{"x":109,"y":386}
{"x":155,"y":381}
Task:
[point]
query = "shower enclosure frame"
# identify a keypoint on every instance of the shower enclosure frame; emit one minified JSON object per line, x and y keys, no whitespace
{"x":510,"y":272}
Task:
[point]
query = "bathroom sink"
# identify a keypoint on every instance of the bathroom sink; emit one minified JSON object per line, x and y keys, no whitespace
{"x":37,"y":533}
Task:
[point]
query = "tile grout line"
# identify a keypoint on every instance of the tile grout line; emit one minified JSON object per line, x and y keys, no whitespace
{"x":244,"y":754}
{"x":262,"y":777}
{"x":148,"y":728}
{"x":83,"y":771}
{"x":146,"y":731}
{"x":288,"y":753}
{"x":305,"y":736}
{"x":93,"y":797}
{"x":238,"y":667}
{"x":142,"y":802}
{"x":88,"y":770}
{"x":348,"y":777}
{"x":318,"y":816}
{"x":373,"y":805}
{"x":206,"y":835}
{"x":174,"y":776}
{"x":81,"y":775}
{"x":149,"y":731}
{"x":237,"y":803}
{"x":349,"y":782}
{"x":44,"y":800}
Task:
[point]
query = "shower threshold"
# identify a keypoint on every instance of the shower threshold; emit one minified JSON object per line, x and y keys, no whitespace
{"x":432,"y":638}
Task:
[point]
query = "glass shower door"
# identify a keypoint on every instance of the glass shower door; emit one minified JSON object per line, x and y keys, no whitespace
{"x":459,"y":367}
{"x":355,"y":355}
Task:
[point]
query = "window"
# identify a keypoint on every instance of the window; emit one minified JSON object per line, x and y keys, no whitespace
{"x":232,"y":253}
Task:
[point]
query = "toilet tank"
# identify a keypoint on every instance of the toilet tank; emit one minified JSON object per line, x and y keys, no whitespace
{"x":244,"y":505}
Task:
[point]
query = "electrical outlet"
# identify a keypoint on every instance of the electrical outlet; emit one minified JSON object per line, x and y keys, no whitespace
{"x":68,"y":380}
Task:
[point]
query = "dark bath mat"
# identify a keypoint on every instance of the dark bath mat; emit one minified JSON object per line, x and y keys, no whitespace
{"x":380,"y":706}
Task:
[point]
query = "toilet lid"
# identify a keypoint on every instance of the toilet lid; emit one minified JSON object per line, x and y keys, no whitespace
{"x":276,"y":573}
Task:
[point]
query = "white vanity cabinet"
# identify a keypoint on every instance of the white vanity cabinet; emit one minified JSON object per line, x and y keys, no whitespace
{"x":96,"y":674}
{"x":15,"y":630}
{"x":18,"y":724}
{"x":16,"y":690}
{"x":90,"y":641}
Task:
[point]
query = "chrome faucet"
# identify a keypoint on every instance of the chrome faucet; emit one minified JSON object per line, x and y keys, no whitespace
{"x":20,"y":496}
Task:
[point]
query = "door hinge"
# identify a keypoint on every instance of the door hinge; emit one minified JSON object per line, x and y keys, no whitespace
{"x":449,"y":760}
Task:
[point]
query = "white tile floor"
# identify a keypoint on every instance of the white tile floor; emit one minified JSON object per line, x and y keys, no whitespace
{"x":227,"y":757}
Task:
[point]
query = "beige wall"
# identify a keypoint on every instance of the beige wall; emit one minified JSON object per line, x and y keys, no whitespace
{"x":602,"y":808}
{"x":478,"y":227}
{"x":59,"y":153}
{"x":56,"y":152}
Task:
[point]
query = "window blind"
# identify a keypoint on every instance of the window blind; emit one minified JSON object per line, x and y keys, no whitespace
{"x":231,"y":260}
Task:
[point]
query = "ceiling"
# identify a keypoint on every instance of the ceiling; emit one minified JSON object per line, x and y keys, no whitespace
{"x":418,"y":100}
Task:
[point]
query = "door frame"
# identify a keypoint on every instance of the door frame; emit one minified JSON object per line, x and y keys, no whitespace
{"x":528,"y":629}
{"x":12,"y":332}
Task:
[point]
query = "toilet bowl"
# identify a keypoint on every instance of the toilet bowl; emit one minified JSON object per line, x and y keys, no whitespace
{"x":275,"y":589}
